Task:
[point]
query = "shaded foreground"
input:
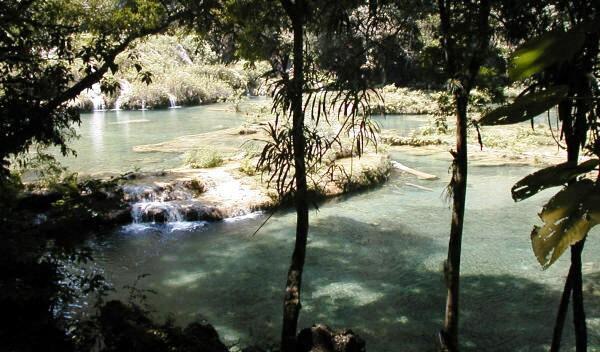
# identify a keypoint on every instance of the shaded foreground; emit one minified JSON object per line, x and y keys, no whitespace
{"x":378,"y":272}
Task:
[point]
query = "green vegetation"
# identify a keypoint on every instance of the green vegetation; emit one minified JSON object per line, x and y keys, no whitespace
{"x":204,"y":158}
{"x":401,"y":100}
{"x":371,"y":176}
{"x":182,"y":67}
{"x":248,"y":166}
{"x":414,"y":140}
{"x":518,"y":139}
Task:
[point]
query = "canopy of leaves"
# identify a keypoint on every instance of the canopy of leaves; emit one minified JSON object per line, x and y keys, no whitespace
{"x":544,"y":51}
{"x":335,"y":86}
{"x":36,"y":48}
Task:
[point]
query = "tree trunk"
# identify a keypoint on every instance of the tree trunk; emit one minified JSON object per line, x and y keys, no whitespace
{"x":578,"y":135}
{"x":562,"y":312}
{"x":291,"y":304}
{"x":574,"y":281}
{"x":449,"y":334}
{"x":464,"y":72}
{"x":578,"y":311}
{"x":574,"y":285}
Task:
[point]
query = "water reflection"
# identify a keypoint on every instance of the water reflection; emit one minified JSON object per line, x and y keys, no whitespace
{"x":96,"y":131}
{"x":107,"y":138}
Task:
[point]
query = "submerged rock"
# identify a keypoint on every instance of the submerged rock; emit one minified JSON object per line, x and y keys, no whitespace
{"x":320,"y":338}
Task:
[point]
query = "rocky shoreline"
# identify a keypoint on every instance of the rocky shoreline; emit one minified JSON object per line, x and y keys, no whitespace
{"x":215,"y":194}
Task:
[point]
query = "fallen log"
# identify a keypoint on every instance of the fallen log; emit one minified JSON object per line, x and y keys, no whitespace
{"x":421,"y":175}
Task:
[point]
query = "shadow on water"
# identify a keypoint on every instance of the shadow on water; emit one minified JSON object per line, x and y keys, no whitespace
{"x":357,"y":275}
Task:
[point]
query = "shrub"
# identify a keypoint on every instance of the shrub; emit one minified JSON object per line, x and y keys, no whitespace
{"x":181,"y":66}
{"x":248,"y":167}
{"x":404,"y":101}
{"x":204,"y":158}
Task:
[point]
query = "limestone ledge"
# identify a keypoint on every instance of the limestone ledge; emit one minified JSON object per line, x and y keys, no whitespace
{"x":225,"y":192}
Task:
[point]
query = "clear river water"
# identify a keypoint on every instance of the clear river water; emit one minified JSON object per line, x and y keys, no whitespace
{"x":374,"y":258}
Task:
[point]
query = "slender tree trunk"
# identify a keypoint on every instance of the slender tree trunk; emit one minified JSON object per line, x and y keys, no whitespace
{"x":562,"y":312}
{"x":459,"y":190}
{"x":456,"y":68}
{"x":564,"y":114}
{"x":578,"y":311}
{"x":574,"y":285}
{"x":578,"y":135}
{"x":291,"y":304}
{"x":574,"y":282}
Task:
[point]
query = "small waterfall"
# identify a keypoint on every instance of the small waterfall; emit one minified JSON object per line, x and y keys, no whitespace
{"x":144,"y":193}
{"x":156,"y":212}
{"x":96,"y":96}
{"x":124,"y":94}
{"x":183,"y":55}
{"x":143,"y":108}
{"x":153,"y":204}
{"x":172,"y":101}
{"x":166,"y":204}
{"x":184,"y":203}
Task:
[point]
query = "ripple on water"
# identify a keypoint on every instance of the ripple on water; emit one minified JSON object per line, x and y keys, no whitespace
{"x":170,"y":227}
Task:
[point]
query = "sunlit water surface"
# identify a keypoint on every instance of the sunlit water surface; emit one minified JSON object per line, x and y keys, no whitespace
{"x":107,"y":138}
{"x":374,"y":259}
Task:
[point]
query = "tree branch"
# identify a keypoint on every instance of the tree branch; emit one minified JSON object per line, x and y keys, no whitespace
{"x":109,"y":59}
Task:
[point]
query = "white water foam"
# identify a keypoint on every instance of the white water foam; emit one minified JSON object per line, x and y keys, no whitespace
{"x":248,"y":216}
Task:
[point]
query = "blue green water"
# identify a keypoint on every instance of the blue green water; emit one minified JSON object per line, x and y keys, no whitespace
{"x":107,"y":138}
{"x":373,"y":263}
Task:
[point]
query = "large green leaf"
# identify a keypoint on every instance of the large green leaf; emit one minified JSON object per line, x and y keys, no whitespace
{"x":544,"y":51}
{"x":525,"y":107}
{"x":567,"y":217}
{"x":552,"y":176}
